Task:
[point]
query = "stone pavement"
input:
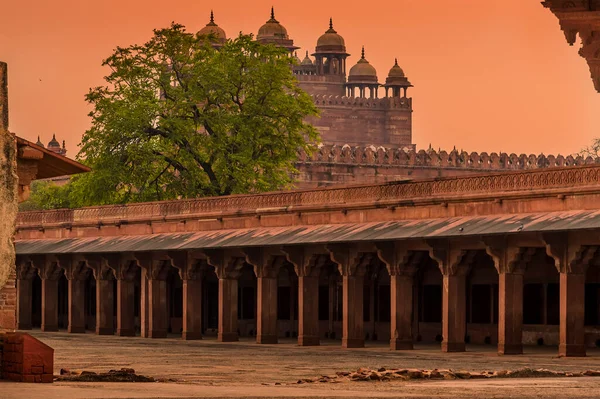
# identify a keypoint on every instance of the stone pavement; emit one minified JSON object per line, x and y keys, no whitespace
{"x":208,"y":368}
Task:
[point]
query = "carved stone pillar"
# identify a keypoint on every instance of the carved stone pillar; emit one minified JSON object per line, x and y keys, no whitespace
{"x":352,"y":266}
{"x":454,"y":266}
{"x":104,"y":297}
{"x":50,"y":274}
{"x":126,"y":298}
{"x":77,"y":274}
{"x":511,"y":263}
{"x":306,"y":265}
{"x":402,"y":266}
{"x":266,"y":328}
{"x":510,"y":315}
{"x":153,"y":311}
{"x":572,"y":261}
{"x":190,"y":271}
{"x":227,"y":269}
{"x":25,"y":274}
{"x":157,"y":301}
{"x":572,"y":314}
{"x":144,"y":303}
{"x":266,"y":265}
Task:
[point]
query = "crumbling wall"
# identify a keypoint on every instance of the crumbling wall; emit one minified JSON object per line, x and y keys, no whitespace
{"x":8,"y":186}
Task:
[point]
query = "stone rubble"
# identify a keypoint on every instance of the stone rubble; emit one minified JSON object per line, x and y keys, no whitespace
{"x":122,"y":375}
{"x":383,"y":374}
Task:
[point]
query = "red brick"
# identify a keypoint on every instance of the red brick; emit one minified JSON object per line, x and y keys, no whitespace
{"x":47,"y":378}
{"x":37,"y":370}
{"x":28,"y":378}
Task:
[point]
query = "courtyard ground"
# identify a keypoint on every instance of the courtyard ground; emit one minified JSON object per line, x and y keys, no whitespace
{"x":208,"y":368}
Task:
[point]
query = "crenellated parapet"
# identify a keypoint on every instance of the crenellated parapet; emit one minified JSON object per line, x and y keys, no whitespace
{"x":409,"y":157}
{"x":376,"y":103}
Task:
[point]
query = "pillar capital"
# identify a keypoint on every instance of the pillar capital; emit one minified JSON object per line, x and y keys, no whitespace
{"x":156,"y":265}
{"x":266,"y":261}
{"x":187,"y":264}
{"x":507,"y":258}
{"x":398,"y":260}
{"x":451,"y":261}
{"x":25,"y":269}
{"x":349,"y":260}
{"x":51,"y":269}
{"x":307,"y":261}
{"x":569,"y":257}
{"x":77,"y":271}
{"x":227,"y":265}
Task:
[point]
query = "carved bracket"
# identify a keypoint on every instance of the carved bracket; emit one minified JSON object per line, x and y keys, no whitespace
{"x":307,"y":261}
{"x":508,"y":259}
{"x":350,"y":261}
{"x":266,"y":261}
{"x":398,"y":260}
{"x":25,"y":269}
{"x":227,"y":264}
{"x":451,"y":261}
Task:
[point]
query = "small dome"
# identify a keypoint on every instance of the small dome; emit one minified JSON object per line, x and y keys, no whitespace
{"x":330,"y":41}
{"x":362,"y":72}
{"x":307,"y":60}
{"x":396,"y":71}
{"x":297,"y":58}
{"x":272,"y":29}
{"x":213,"y":29}
{"x":53,"y":143}
{"x":39,"y":142}
{"x":396,"y":77}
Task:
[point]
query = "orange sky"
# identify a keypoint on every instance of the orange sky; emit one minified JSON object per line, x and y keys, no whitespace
{"x":488,"y":75}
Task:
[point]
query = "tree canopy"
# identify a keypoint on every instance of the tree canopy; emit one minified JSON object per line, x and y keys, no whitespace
{"x":179,"y":118}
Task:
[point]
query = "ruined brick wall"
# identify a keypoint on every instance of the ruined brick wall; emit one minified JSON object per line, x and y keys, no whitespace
{"x":8,"y":208}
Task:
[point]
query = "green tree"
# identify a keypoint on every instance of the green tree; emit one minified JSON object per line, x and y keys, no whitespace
{"x":180,"y":119}
{"x":47,"y":195}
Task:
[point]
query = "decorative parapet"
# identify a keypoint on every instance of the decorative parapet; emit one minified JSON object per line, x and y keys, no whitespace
{"x":489,"y":185}
{"x":407,"y":156}
{"x":324,"y":100}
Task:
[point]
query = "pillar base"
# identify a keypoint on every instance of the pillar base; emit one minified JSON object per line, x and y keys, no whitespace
{"x":105,"y":331}
{"x":398,"y":345}
{"x":49,"y":328}
{"x":307,"y":340}
{"x":453,"y":347}
{"x":125,"y":332}
{"x":24,"y":326}
{"x":565,"y":350}
{"x":76,"y":330}
{"x":353,"y":343}
{"x":157,"y":334}
{"x":266,"y":339}
{"x":228,"y":337}
{"x":191,"y":336}
{"x":510,"y":349}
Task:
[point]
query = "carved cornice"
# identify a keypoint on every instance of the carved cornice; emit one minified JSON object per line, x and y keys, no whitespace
{"x":489,"y":185}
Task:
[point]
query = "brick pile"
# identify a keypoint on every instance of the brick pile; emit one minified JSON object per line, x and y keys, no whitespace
{"x":25,"y":359}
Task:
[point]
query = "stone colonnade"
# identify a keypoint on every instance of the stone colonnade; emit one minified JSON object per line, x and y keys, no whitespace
{"x":353,"y":263}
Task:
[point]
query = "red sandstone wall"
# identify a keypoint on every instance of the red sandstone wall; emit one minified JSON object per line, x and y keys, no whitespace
{"x":333,"y":164}
{"x":361,"y":122}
